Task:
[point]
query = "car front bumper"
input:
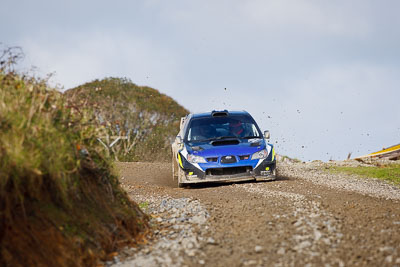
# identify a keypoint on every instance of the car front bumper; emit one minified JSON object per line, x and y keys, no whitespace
{"x":265,"y":171}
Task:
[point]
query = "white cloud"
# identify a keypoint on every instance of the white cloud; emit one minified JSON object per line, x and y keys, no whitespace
{"x":344,"y":108}
{"x":274,"y":57}
{"x":308,"y":16}
{"x":82,"y":57}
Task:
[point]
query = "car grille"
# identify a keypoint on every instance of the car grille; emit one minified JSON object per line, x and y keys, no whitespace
{"x":229,"y":171}
{"x":228,"y":159}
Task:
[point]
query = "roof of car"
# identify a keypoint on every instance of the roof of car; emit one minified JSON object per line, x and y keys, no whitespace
{"x":209,"y":114}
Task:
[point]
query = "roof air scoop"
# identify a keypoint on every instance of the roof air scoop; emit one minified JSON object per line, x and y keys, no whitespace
{"x":222,"y":113}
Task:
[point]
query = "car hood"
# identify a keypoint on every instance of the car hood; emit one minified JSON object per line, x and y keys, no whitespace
{"x":244,"y":147}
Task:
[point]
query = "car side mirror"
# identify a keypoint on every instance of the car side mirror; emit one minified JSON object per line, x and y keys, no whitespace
{"x":267,"y":134}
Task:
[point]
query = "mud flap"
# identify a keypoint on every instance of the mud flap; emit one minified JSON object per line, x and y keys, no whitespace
{"x":181,"y":176}
{"x":174,"y":168}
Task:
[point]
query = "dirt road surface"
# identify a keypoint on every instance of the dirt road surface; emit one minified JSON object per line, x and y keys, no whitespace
{"x":304,"y":218}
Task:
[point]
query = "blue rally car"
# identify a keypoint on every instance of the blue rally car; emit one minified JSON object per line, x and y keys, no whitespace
{"x":221,"y":146}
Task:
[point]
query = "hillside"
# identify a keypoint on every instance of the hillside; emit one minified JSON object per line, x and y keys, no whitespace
{"x":147,"y":119}
{"x":60,"y":202}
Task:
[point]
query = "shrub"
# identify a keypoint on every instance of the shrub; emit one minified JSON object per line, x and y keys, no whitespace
{"x":147,"y":119}
{"x":60,"y":202}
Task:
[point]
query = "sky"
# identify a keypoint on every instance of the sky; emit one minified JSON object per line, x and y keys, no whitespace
{"x":322,"y":76}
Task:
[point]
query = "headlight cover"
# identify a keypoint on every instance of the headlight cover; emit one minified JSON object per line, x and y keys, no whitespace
{"x":195,"y":159}
{"x":262,"y":154}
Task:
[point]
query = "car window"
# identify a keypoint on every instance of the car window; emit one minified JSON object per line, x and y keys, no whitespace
{"x":254,"y":130}
{"x":207,"y":128}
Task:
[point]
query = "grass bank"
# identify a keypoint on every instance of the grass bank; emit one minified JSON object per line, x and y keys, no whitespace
{"x":147,"y":119}
{"x":389,"y":173}
{"x":60,"y":201}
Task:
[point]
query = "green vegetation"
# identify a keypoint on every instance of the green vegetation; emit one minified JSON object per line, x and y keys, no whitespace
{"x":390,"y":173}
{"x":144,"y":205}
{"x":60,"y":202}
{"x":147,"y":119}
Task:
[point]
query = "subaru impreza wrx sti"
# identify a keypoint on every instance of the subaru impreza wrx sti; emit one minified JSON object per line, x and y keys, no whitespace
{"x":221,"y":146}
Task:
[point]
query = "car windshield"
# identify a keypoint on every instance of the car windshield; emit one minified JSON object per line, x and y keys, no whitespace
{"x":214,"y":128}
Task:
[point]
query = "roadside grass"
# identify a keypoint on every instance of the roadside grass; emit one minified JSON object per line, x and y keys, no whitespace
{"x":390,"y":173}
{"x":60,"y":202}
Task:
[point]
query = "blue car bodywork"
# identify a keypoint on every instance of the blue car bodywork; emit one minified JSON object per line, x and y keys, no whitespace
{"x":222,"y":146}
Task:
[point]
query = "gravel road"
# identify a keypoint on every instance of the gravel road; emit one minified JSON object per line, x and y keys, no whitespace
{"x":307,"y":217}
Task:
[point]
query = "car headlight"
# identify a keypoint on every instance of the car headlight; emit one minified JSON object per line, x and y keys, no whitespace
{"x":262,"y":154}
{"x":196,"y":159}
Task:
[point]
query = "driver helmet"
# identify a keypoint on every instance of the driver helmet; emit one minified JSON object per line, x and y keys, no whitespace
{"x":236,"y":127}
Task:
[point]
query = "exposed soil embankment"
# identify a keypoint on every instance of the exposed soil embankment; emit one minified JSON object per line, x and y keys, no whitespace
{"x":60,"y":203}
{"x":302,"y":218}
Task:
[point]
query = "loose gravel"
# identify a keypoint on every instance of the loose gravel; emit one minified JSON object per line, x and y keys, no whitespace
{"x":179,"y":225}
{"x":317,"y":173}
{"x":307,"y":217}
{"x":314,"y":229}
